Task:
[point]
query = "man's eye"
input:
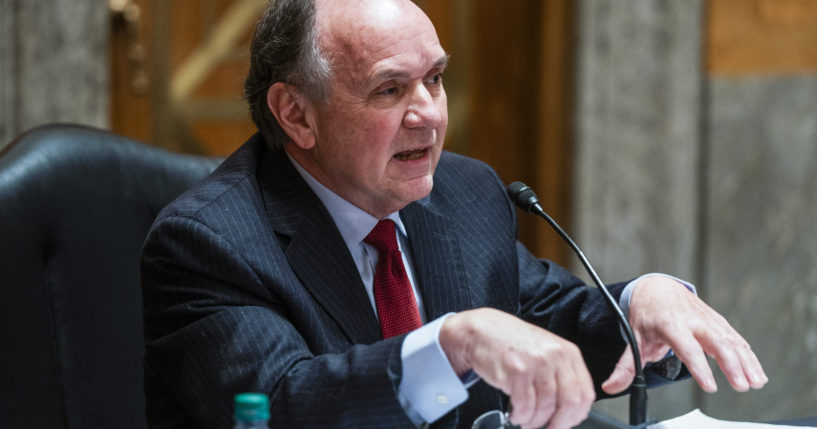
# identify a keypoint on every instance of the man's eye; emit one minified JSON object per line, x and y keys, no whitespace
{"x":388,"y":91}
{"x":436,"y":79}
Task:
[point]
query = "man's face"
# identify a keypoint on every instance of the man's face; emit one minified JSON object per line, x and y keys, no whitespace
{"x":380,"y":134}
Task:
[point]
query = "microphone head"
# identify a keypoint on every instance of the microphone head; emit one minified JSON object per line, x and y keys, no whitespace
{"x":523,"y":196}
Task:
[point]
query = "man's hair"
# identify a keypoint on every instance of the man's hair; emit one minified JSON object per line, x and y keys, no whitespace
{"x":285,"y":48}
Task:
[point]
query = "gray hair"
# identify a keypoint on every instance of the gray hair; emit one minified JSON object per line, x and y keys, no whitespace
{"x":285,"y":48}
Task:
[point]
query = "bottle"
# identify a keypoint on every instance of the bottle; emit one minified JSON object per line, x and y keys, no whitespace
{"x":251,"y":411}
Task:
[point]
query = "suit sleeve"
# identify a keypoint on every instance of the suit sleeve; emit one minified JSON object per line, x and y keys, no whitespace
{"x":213,"y":329}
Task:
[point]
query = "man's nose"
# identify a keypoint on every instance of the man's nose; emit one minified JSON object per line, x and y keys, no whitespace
{"x":424,"y":109}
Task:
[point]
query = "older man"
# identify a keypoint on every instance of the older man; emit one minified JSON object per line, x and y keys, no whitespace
{"x":343,"y":263}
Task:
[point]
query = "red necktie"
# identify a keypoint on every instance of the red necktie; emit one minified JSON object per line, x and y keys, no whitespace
{"x":393,"y":295}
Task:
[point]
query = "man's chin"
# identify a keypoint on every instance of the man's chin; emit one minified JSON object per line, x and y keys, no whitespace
{"x":413,"y":191}
{"x":420,"y":188}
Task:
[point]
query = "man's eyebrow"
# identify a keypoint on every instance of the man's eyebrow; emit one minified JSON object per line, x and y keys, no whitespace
{"x":443,"y":61}
{"x":389,"y":74}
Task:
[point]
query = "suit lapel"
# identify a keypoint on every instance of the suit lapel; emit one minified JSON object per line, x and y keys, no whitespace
{"x":438,"y":262}
{"x":322,"y":261}
{"x":316,"y":251}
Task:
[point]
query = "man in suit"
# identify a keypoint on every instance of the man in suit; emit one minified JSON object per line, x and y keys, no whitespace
{"x":343,"y":263}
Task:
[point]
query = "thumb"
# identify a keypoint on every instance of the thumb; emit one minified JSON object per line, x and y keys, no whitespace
{"x":622,"y":375}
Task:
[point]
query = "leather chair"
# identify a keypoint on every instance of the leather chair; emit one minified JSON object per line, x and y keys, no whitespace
{"x":75,"y":206}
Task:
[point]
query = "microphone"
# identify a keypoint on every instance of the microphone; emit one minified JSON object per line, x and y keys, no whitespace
{"x":526,"y":199}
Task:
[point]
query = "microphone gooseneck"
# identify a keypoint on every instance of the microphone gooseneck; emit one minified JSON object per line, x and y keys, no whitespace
{"x":526,"y":199}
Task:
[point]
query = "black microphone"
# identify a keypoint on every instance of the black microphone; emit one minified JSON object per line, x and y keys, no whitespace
{"x":526,"y":199}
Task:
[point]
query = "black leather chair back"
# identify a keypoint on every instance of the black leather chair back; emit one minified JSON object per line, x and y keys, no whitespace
{"x":75,"y":206}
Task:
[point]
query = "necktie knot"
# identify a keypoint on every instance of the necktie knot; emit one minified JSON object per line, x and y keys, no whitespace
{"x":383,"y":237}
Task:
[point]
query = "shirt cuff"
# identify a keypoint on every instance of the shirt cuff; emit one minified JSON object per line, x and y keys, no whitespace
{"x":627,"y":294}
{"x":429,"y":388}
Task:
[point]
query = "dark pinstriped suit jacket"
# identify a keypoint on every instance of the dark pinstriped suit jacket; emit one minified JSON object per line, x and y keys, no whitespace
{"x":248,"y":286}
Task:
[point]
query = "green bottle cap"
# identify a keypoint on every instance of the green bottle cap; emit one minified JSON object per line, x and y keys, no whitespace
{"x":251,"y":407}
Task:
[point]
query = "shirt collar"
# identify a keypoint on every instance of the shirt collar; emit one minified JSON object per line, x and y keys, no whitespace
{"x":353,"y":223}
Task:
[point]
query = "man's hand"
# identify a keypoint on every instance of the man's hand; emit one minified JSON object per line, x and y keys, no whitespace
{"x":664,"y":315}
{"x":544,"y":374}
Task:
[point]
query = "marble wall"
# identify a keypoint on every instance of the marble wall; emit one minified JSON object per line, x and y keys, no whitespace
{"x":708,"y":178}
{"x":637,"y":135}
{"x":53,"y":63}
{"x":760,"y":266}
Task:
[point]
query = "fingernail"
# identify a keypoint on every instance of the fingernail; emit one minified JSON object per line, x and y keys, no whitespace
{"x":757,"y":378}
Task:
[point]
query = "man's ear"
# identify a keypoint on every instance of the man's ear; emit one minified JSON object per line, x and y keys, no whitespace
{"x":289,"y":107}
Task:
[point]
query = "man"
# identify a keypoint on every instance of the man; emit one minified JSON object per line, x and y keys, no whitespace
{"x":271,"y":275}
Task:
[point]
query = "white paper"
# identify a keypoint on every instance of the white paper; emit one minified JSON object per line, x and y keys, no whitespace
{"x":698,"y":420}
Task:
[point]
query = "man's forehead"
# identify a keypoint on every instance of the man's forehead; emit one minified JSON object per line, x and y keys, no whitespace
{"x":363,"y":10}
{"x":372,"y":39}
{"x":347,"y":23}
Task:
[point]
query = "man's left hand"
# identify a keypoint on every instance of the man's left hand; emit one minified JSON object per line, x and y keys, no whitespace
{"x":665,"y":315}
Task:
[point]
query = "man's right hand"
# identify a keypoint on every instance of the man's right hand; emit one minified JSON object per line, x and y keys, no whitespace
{"x":544,"y":374}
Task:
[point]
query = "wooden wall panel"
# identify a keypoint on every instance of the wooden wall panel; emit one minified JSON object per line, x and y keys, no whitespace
{"x":761,"y":37}
{"x":130,"y":54}
{"x":509,"y":89}
{"x":554,"y":148}
{"x":212,"y":118}
{"x":519,"y":106}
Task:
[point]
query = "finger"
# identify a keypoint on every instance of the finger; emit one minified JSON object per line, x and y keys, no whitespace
{"x":546,"y":399}
{"x":588,"y":390}
{"x":523,"y":396}
{"x":622,"y":375}
{"x":689,"y":351}
{"x":749,"y":363}
{"x":574,"y":397}
{"x":723,"y":345}
{"x":752,"y":367}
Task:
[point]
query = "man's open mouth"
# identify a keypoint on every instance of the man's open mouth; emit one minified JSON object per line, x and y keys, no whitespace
{"x":411,"y":155}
